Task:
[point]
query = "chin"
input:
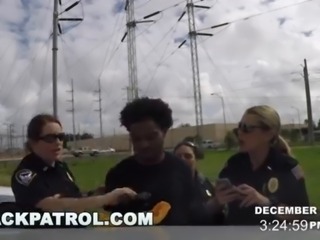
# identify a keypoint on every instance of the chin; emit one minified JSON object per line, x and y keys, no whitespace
{"x":56,"y":157}
{"x":243,"y":149}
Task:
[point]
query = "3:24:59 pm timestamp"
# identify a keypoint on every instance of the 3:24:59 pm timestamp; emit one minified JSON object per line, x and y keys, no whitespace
{"x":290,"y":226}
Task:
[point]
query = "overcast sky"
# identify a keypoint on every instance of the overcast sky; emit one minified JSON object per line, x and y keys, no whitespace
{"x":249,"y":62}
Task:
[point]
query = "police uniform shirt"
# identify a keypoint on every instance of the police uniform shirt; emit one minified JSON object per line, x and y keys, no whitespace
{"x":280,"y":179}
{"x":34,"y":180}
{"x":205,"y":191}
{"x":170,"y":180}
{"x":204,"y":187}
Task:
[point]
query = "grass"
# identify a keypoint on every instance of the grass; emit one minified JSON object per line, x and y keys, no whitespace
{"x":90,"y":172}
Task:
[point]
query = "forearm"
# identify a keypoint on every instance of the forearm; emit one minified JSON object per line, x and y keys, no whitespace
{"x":72,"y":204}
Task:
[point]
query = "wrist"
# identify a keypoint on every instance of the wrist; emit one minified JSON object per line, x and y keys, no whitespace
{"x":103,"y":200}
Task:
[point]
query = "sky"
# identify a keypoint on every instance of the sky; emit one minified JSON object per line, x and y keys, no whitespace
{"x":253,"y":60}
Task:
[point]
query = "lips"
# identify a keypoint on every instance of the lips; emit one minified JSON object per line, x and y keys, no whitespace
{"x":57,"y":150}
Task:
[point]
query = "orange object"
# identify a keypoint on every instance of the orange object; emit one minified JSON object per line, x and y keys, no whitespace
{"x":160,"y":211}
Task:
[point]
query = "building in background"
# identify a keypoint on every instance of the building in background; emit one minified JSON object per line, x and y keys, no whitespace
{"x":215,"y":132}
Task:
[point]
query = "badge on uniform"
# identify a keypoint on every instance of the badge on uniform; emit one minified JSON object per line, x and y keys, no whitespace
{"x":25,"y":176}
{"x":273,"y":185}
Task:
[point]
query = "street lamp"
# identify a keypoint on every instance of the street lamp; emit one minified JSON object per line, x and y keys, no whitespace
{"x":223,"y":109}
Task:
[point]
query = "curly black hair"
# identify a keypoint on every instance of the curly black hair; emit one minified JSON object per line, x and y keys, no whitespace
{"x":147,"y":108}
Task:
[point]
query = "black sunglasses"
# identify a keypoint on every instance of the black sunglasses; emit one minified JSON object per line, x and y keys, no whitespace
{"x":247,"y":128}
{"x":51,"y":138}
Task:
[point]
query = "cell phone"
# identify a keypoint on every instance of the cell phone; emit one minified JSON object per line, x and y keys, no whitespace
{"x":224,"y":183}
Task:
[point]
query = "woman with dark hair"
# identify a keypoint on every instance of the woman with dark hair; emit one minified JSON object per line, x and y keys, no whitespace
{"x":42,"y":181}
{"x":190,"y":153}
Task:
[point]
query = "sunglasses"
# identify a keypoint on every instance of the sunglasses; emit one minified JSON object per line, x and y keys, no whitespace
{"x":189,"y":144}
{"x":51,"y":138}
{"x":248,"y":128}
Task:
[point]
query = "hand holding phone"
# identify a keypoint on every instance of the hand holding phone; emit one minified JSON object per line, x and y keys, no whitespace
{"x":224,"y":183}
{"x":225,"y":191}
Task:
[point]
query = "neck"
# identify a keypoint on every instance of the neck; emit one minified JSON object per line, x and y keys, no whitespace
{"x":47,"y":161}
{"x":154,"y":161}
{"x":258,"y":156}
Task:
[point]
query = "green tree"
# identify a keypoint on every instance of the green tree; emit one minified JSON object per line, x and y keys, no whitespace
{"x":230,"y":140}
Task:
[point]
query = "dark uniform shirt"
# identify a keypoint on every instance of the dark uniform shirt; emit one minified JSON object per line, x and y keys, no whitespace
{"x":34,"y":180}
{"x":170,"y":180}
{"x":205,"y":191}
{"x":280,"y":179}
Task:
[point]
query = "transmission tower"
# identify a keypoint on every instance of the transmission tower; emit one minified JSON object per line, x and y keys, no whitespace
{"x":72,"y":110}
{"x":131,"y":48}
{"x":56,"y":31}
{"x":195,"y":65}
{"x":99,"y":100}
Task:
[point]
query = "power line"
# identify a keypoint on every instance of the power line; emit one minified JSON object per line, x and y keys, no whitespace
{"x":254,"y":15}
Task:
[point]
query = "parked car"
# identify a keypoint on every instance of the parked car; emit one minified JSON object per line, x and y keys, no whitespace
{"x":95,"y":152}
{"x":6,"y":194}
{"x":209,"y":144}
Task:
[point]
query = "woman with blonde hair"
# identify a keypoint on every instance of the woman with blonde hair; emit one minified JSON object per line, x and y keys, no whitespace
{"x":262,"y":173}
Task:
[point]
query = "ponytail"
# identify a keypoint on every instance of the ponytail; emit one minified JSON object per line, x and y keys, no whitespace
{"x":282,"y":145}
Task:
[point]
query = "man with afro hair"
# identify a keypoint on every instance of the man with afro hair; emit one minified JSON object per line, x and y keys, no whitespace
{"x":151,"y":170}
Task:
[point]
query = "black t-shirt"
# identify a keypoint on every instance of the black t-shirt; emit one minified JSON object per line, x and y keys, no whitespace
{"x":33,"y":180}
{"x":170,"y":180}
{"x":280,"y":179}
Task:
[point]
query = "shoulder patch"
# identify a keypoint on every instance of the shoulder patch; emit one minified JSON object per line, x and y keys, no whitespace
{"x":297,"y":171}
{"x":25,"y":176}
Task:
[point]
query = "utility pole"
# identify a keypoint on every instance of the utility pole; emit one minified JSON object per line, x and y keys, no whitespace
{"x":23,"y":136}
{"x":56,"y":31}
{"x":55,"y":58}
{"x":195,"y":66}
{"x":99,"y":100}
{"x":73,"y":115}
{"x":128,"y":91}
{"x":131,"y":48}
{"x":223,"y":110}
{"x":11,"y":136}
{"x":309,"y":105}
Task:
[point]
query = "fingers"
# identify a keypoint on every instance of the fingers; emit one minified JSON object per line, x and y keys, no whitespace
{"x":226,"y":196}
{"x":128,"y":191}
{"x":247,"y":202}
{"x":229,"y":198}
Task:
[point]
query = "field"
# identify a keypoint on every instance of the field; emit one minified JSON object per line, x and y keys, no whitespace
{"x":90,"y":172}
